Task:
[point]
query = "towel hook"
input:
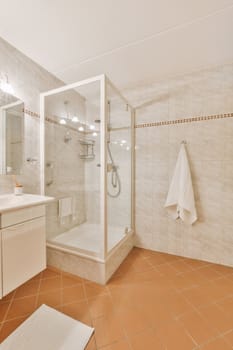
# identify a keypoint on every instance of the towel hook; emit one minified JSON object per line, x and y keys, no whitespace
{"x":184,"y":142}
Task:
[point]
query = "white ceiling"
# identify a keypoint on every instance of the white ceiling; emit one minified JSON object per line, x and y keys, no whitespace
{"x":132,"y":41}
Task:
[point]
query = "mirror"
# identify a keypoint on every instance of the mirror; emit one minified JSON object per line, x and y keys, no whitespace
{"x":11,"y":134}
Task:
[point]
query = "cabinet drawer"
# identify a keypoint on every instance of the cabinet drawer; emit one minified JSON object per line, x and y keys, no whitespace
{"x":17,"y":216}
{"x":23,"y":253}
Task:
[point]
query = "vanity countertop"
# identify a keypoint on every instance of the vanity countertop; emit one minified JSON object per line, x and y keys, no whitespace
{"x":9,"y":202}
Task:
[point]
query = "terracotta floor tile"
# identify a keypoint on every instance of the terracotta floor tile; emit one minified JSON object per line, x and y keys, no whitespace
{"x":142,"y":265}
{"x":3,"y":309}
{"x":73,"y":293}
{"x":94,"y":289}
{"x":157,"y":259}
{"x":125,"y":267}
{"x":166,"y":270}
{"x":197,"y":327}
{"x":133,"y":320}
{"x":8,"y":297}
{"x":209,"y":273}
{"x":229,"y":338}
{"x":150,"y":290}
{"x":36,"y":277}
{"x":49,"y":273}
{"x":146,"y":340}
{"x":224,"y":284}
{"x":223,"y":270}
{"x":52,"y":299}
{"x":182,"y":282}
{"x":157,"y":315}
{"x":9,"y":326}
{"x":196,"y":264}
{"x":91,"y":344}
{"x":180,"y":266}
{"x":197,"y":296}
{"x":178,"y":305}
{"x":174,"y":337}
{"x":217,"y":344}
{"x":68,"y":280}
{"x":107,"y":330}
{"x":21,"y":307}
{"x":79,"y":311}
{"x":197,"y":278}
{"x":49,"y":284}
{"x":27,"y":289}
{"x":217,"y":318}
{"x":100,"y":306}
{"x":119,"y":345}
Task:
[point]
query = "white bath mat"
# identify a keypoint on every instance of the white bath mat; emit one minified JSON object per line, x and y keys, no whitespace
{"x":48,"y":329}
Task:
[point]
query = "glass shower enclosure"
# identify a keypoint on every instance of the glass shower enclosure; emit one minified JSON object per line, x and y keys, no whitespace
{"x":87,"y":165}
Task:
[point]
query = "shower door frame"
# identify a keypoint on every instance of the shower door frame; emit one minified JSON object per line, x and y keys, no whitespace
{"x":103,"y":80}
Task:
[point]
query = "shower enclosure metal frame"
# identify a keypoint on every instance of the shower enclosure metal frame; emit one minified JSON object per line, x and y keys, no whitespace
{"x":104,"y":81}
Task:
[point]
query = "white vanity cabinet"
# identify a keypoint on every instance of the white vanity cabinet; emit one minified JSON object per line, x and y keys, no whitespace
{"x":23,"y":246}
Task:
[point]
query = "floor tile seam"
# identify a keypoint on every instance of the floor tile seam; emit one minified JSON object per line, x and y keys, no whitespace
{"x":218,"y":334}
{"x":212,"y":268}
{"x":79,"y":301}
{"x":197,"y":310}
{"x":18,"y":317}
{"x":212,"y":339}
{"x":179,"y":270}
{"x":8,"y":309}
{"x":226,"y":339}
{"x":181,"y":290}
{"x":185,"y":331}
{"x":62,"y":294}
{"x":136,"y":334}
{"x":37,"y":295}
{"x":222,"y":299}
{"x":53,"y":289}
{"x":51,"y":277}
{"x":114,"y":342}
{"x":215,"y":329}
{"x":128,"y":338}
{"x":33,"y":294}
{"x":85,"y":293}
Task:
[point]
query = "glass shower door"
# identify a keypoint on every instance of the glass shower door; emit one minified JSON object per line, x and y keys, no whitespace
{"x":119,"y":172}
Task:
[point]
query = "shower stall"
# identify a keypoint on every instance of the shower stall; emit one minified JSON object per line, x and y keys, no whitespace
{"x":87,"y":165}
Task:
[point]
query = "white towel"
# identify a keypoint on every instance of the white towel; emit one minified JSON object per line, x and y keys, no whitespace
{"x":65,"y":207}
{"x":180,"y":201}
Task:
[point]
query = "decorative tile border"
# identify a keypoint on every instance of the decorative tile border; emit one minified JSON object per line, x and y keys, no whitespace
{"x":30,"y":113}
{"x":185,"y":120}
{"x":147,"y":125}
{"x":48,"y":119}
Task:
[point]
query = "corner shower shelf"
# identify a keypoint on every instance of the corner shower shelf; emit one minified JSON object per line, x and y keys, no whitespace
{"x":87,"y":149}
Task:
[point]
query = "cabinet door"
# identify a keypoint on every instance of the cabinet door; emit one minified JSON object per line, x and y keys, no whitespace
{"x":23,"y":253}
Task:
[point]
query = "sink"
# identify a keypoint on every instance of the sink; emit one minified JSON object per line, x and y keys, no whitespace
{"x":12,"y":202}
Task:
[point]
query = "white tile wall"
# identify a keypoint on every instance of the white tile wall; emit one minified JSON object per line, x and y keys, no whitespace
{"x":28,"y":80}
{"x":210,"y":152}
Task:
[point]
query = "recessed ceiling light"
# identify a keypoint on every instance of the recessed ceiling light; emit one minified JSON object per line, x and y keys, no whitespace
{"x":62,"y":121}
{"x":74,"y":119}
{"x":6,"y":87}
